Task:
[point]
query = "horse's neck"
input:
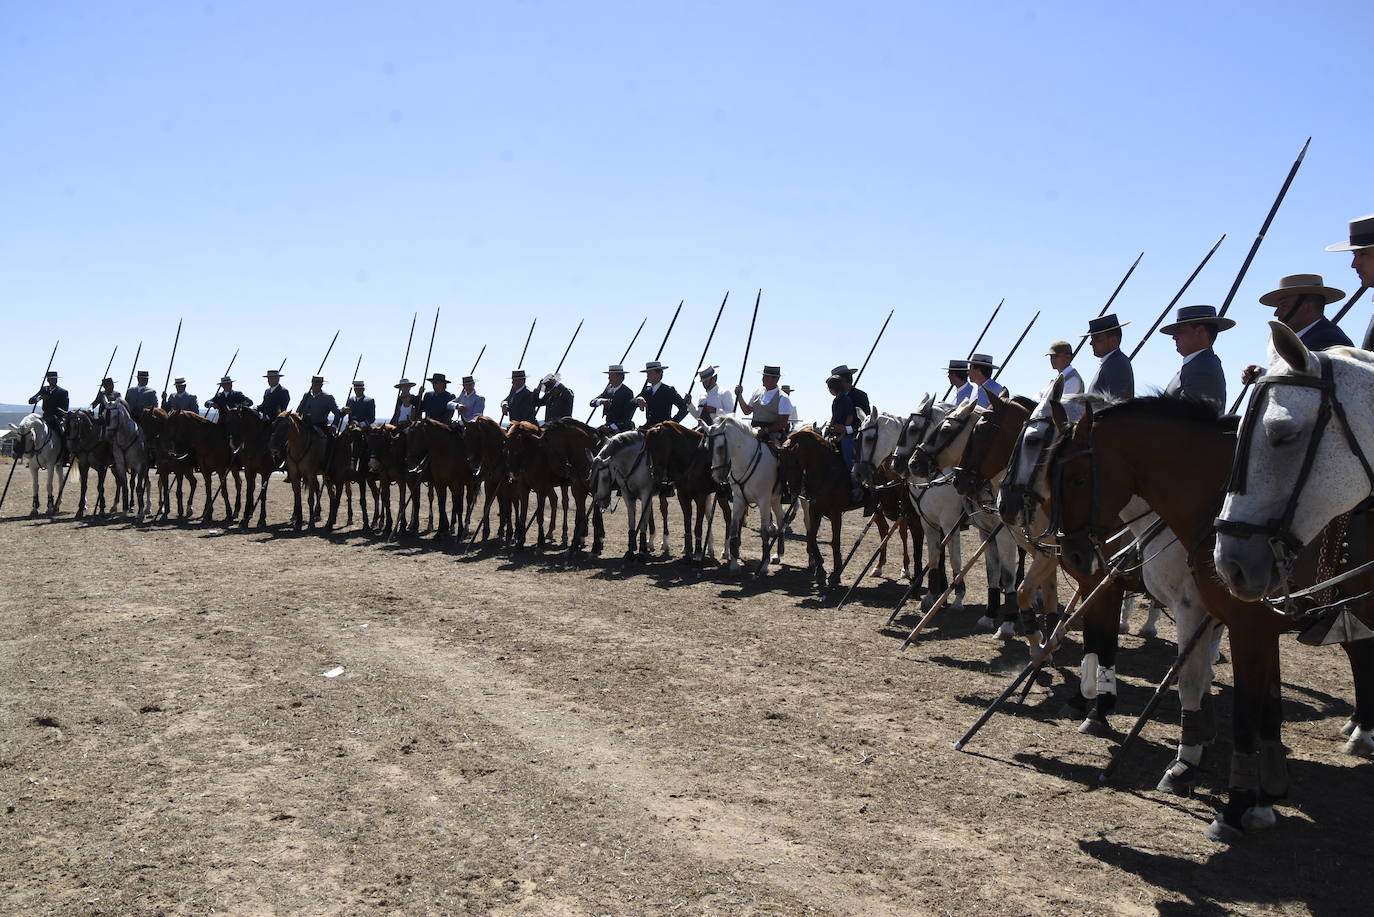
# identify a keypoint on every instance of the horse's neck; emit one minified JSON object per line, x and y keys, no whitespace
{"x":1185,"y":486}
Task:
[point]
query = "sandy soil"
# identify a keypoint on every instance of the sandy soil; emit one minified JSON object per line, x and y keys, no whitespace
{"x":523,"y":737}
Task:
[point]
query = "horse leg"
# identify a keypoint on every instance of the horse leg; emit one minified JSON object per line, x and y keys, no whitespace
{"x":631,"y":528}
{"x":882,"y":544}
{"x":1195,"y":699}
{"x":1096,"y":696}
{"x":1258,"y":773}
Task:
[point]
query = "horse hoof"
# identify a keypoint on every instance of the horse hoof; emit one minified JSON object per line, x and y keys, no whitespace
{"x":1258,"y":818}
{"x":1179,"y":778}
{"x":1223,"y":833}
{"x":1149,"y":632}
{"x":1360,"y":744}
{"x":986,"y":623}
{"x":1348,"y":728}
{"x":1007,"y":631}
{"x":1092,"y":726}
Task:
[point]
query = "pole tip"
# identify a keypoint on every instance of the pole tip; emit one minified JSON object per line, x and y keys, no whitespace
{"x":959,"y":745}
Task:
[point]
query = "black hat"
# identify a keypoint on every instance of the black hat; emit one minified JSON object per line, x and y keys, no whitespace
{"x":468,"y":380}
{"x":438,"y":377}
{"x":1361,"y":236}
{"x":179,"y":380}
{"x":1105,"y":323}
{"x":143,"y":373}
{"x":359,"y":383}
{"x":1198,"y":315}
{"x":842,"y":370}
{"x":107,"y":379}
{"x":517,"y":374}
{"x":958,"y":366}
{"x":772,"y":370}
{"x":272,"y":372}
{"x":52,"y":374}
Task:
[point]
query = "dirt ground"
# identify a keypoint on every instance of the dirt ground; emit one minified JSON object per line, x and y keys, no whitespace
{"x":523,"y":737}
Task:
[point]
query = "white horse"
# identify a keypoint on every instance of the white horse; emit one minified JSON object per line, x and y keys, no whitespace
{"x":42,"y":443}
{"x":624,"y":460}
{"x":875,"y":441}
{"x":130,"y":456}
{"x":938,"y":505}
{"x":739,"y":459}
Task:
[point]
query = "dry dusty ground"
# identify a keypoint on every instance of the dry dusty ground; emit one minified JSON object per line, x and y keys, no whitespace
{"x":523,"y":738}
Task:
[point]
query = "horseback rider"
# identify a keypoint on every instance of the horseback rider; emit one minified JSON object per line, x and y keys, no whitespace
{"x":405,"y":403}
{"x":318,"y":407}
{"x":520,"y":403}
{"x":141,"y":397}
{"x":713,"y":401}
{"x":1115,"y":378}
{"x":359,"y":406}
{"x":980,"y":369}
{"x":844,"y":420}
{"x":54,"y":402}
{"x":227,"y":397}
{"x":470,"y":404}
{"x":104,"y":396}
{"x":958,"y":378}
{"x":1299,"y":303}
{"x":276,"y":399}
{"x":617,"y":403}
{"x":1061,"y":361}
{"x":857,"y":395}
{"x":769,"y":410}
{"x":658,"y":399}
{"x":554,"y":397}
{"x":1361,"y":246}
{"x":438,"y":404}
{"x":181,"y":400}
{"x":1195,"y":331}
{"x":796,"y":422}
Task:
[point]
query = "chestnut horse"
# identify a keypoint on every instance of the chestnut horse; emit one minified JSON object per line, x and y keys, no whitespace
{"x":204,"y":443}
{"x":679,"y":458}
{"x":568,"y":446}
{"x":435,"y":453}
{"x":302,"y":449}
{"x":486,"y":445}
{"x":1176,"y":455}
{"x":525,"y":462}
{"x":90,"y":452}
{"x":386,"y":464}
{"x":251,"y":436}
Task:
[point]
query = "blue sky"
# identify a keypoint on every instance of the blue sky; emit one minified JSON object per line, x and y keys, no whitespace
{"x":273,"y":172}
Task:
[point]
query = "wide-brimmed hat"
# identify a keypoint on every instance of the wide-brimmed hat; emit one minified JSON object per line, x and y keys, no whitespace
{"x":1361,"y":236}
{"x":550,"y":377}
{"x":107,"y":379}
{"x":438,"y":377}
{"x":785,"y":389}
{"x":179,"y":380}
{"x":1302,"y":285}
{"x":1198,"y":315}
{"x":469,"y":380}
{"x":359,"y":383}
{"x":404,"y":383}
{"x":982,"y":359}
{"x":1063,"y":348}
{"x":957,"y":366}
{"x":707,"y":372}
{"x":1105,"y":323}
{"x":319,"y":379}
{"x":842,"y":370}
{"x":653,"y":364}
{"x":615,"y":368}
{"x":272,"y":372}
{"x":517,"y":374}
{"x":141,"y":372}
{"x":772,"y":370}
{"x":226,"y":381}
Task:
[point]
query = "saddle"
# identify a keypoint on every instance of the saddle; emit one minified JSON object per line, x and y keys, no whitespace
{"x":1328,"y":616}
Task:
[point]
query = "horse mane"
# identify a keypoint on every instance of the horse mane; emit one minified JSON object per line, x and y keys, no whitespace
{"x":1030,"y":404}
{"x":573,"y":423}
{"x":806,"y":435}
{"x":616,"y":444}
{"x":1181,"y":408}
{"x":732,"y":420}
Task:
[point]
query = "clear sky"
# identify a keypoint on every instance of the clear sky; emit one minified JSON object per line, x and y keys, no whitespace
{"x":275,"y":171}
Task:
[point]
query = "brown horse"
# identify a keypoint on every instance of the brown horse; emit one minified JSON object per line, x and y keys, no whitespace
{"x":304,"y":451}
{"x":813,"y":468}
{"x":529,"y":471}
{"x":679,"y":457}
{"x":89,"y":452}
{"x":435,"y":453}
{"x":981,"y":469}
{"x":386,"y":464}
{"x":486,"y":445}
{"x":568,"y":445}
{"x":169,"y":466}
{"x":1176,"y":455}
{"x":251,"y":436}
{"x":193,"y":438}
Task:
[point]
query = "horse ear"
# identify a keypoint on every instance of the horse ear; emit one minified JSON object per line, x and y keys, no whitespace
{"x":995,"y":400}
{"x":1083,"y":430}
{"x":1057,"y":390}
{"x":1293,"y":351}
{"x":13,"y":427}
{"x":926,"y":402}
{"x":859,"y":412}
{"x":1059,"y":415}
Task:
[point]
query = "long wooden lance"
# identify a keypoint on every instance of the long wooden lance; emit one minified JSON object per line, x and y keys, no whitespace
{"x":1259,"y":237}
{"x":709,"y":338}
{"x":566,"y":350}
{"x":282,"y":366}
{"x":473,"y":371}
{"x":225,"y":375}
{"x":341,"y":420}
{"x":940,"y":603}
{"x":1012,"y":352}
{"x":625,"y":356}
{"x":872,"y":558}
{"x":521,"y":364}
{"x":432,"y":332}
{"x":1111,"y":299}
{"x":1179,"y":295}
{"x":974,"y":349}
{"x":167,"y":381}
{"x":405,"y":361}
{"x":859,"y":374}
{"x":132,"y":369}
{"x":1345,"y":309}
{"x":749,"y":341}
{"x":6,"y":492}
{"x":916,"y":580}
{"x":327,"y":352}
{"x":667,"y":334}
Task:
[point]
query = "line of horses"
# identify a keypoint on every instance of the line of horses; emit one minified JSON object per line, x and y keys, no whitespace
{"x":1143,"y":479}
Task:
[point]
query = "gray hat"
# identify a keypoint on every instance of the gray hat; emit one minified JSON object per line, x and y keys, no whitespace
{"x":1303,"y":285}
{"x":706,"y":372}
{"x":469,"y":380}
{"x":404,"y":383}
{"x":958,"y":366}
{"x":1105,"y":323}
{"x":653,"y":364}
{"x":359,"y":383}
{"x":179,"y":380}
{"x":272,"y":372}
{"x":226,"y":381}
{"x":1060,"y":347}
{"x":1198,"y":315}
{"x":980,"y":360}
{"x":615,"y":368}
{"x":772,"y":370}
{"x":1361,"y":236}
{"x":842,"y":370}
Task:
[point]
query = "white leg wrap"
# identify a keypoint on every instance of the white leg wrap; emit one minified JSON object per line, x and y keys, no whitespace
{"x":1088,"y":676}
{"x":1106,"y":680}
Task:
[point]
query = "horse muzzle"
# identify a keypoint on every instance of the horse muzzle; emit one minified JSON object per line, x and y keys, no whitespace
{"x":1246,"y":566}
{"x":966,"y":482}
{"x":1077,"y":553}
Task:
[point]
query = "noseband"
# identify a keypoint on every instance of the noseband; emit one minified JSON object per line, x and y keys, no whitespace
{"x":1278,"y":531}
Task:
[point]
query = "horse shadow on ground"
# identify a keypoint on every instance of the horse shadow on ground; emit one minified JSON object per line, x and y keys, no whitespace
{"x":1316,"y":856}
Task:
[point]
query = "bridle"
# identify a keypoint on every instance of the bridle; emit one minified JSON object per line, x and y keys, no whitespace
{"x":932,"y":444}
{"x":112,"y":419}
{"x":1278,"y":530}
{"x":727,"y":466}
{"x":969,"y":473}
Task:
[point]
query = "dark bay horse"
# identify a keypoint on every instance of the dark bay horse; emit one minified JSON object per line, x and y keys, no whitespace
{"x":386,"y":464}
{"x":251,"y":438}
{"x":302,"y":449}
{"x":813,"y":468}
{"x":168,"y":464}
{"x":529,"y":471}
{"x":486,"y":445}
{"x":89,"y":452}
{"x":436,"y":453}
{"x":680,"y":458}
{"x":568,"y":445}
{"x":1176,"y":455}
{"x":194,"y":439}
